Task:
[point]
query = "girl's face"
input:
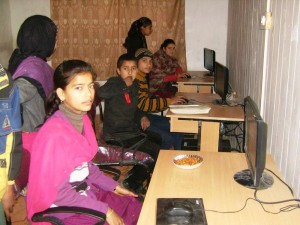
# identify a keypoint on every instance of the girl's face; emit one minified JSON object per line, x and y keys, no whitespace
{"x":170,"y":50}
{"x":147,"y":30}
{"x":79,"y":93}
{"x":145,"y":64}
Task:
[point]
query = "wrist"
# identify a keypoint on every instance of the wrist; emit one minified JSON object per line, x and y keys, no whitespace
{"x":109,"y":212}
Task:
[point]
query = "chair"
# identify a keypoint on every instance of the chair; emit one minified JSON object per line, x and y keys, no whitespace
{"x":46,"y":215}
{"x":114,"y":153}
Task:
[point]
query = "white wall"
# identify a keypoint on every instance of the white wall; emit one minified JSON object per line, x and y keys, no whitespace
{"x":21,"y":9}
{"x":12,"y":15}
{"x":6,"y":34}
{"x":205,"y":26}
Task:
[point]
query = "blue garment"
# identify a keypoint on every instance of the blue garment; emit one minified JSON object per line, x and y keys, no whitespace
{"x":161,"y":125}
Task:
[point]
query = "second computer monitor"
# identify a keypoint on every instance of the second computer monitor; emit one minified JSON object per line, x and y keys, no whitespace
{"x":221,"y":80}
{"x":209,"y":61}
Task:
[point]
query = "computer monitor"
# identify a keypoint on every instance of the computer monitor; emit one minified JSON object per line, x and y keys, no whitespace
{"x":255,"y":134}
{"x":209,"y":61}
{"x":221,"y":80}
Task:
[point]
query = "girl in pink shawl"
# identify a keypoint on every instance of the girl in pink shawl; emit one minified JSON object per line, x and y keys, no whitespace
{"x":61,"y":172}
{"x":165,"y":71}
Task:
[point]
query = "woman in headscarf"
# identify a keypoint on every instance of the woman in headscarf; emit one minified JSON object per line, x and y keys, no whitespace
{"x":28,"y":65}
{"x":33,"y":76}
{"x":166,"y":70}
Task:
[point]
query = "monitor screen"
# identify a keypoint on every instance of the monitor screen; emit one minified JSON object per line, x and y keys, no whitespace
{"x":209,"y":60}
{"x":221,"y":80}
{"x":255,"y":149}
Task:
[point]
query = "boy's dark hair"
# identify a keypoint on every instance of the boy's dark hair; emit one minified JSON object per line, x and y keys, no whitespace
{"x":125,"y":57}
{"x":166,"y":43}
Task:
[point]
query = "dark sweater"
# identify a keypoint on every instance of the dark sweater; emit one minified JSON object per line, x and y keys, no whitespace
{"x":120,"y":116}
{"x":135,"y":42}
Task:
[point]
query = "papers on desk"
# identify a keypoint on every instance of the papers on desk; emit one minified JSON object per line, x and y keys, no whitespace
{"x":190,"y":109}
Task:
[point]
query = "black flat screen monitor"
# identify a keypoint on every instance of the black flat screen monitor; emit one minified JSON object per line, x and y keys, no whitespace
{"x":209,"y":61}
{"x":255,"y":149}
{"x":221,"y":80}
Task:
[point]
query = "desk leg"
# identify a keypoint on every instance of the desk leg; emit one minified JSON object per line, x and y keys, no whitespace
{"x":204,"y":89}
{"x":209,"y":136}
{"x":187,"y":88}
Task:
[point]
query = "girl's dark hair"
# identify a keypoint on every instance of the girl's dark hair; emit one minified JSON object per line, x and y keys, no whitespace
{"x":36,"y":37}
{"x":63,"y":75}
{"x":166,"y":43}
{"x":135,"y":27}
{"x":125,"y":57}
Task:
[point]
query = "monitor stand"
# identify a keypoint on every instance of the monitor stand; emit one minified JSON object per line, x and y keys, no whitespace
{"x":220,"y":102}
{"x":209,"y":74}
{"x":244,"y":178}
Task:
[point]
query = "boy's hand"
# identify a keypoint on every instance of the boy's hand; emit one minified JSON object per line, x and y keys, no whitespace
{"x":128,"y":80}
{"x":8,"y":201}
{"x":145,"y":123}
{"x":178,"y":100}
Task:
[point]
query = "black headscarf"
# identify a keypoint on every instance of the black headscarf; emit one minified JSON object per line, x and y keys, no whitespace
{"x":36,"y":37}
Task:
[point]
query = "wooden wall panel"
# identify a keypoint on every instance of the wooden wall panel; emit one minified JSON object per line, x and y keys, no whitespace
{"x":280,"y":102}
{"x":245,"y":47}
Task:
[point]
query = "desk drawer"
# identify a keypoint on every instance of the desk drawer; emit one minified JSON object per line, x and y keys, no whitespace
{"x":185,"y":126}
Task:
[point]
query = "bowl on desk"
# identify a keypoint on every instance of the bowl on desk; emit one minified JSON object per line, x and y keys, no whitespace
{"x":187,"y":162}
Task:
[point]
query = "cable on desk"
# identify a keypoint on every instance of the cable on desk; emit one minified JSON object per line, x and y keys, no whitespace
{"x":287,"y":208}
{"x":277,"y":202}
{"x":236,"y":211}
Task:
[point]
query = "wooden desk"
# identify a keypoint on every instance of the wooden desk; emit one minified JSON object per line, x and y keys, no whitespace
{"x":210,"y":123}
{"x":197,"y":84}
{"x":213,"y":181}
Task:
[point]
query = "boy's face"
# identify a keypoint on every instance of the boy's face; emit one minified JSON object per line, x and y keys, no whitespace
{"x":128,"y":70}
{"x":145,"y":64}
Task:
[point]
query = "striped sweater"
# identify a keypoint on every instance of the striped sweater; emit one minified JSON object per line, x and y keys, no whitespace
{"x":147,"y":102}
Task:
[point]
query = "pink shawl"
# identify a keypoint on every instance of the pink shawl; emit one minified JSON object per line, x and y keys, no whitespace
{"x":57,"y":149}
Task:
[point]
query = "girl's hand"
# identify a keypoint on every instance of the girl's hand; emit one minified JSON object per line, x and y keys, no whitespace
{"x":124,"y":192}
{"x":183,"y":75}
{"x":113,"y":218}
{"x":145,"y":123}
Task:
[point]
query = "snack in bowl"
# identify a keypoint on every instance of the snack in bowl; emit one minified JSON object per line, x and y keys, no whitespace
{"x":187,"y":161}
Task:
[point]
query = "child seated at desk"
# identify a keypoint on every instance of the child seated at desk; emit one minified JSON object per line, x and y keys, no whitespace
{"x":166,"y":70}
{"x":150,"y":103}
{"x":124,"y":119}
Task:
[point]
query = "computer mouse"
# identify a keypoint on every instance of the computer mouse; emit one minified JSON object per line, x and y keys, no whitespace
{"x":179,"y":208}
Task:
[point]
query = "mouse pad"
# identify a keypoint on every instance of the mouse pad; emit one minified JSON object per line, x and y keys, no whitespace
{"x":180,"y":211}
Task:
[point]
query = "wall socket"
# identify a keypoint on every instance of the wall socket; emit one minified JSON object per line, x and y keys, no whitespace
{"x":266,"y":21}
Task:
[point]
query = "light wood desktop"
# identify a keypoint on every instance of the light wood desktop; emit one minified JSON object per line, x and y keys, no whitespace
{"x":198,"y":83}
{"x":210,"y":122}
{"x":213,"y":181}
